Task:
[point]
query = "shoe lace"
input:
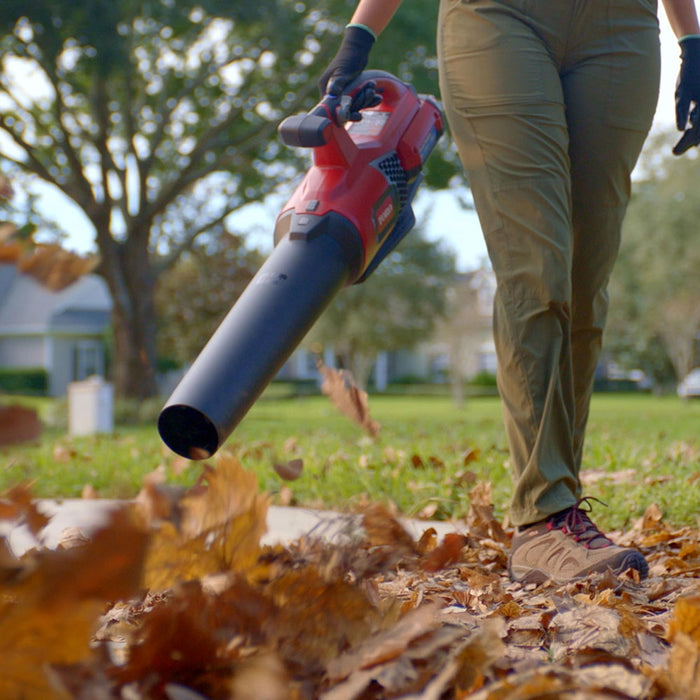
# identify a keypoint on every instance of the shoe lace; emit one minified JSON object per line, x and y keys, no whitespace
{"x":574,"y":521}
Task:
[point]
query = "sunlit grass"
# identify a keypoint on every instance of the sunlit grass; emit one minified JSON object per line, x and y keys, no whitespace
{"x":427,"y":457}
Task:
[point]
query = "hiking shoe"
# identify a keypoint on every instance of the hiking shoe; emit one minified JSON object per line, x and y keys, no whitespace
{"x":567,"y":546}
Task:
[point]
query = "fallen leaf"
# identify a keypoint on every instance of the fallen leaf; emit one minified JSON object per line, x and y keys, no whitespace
{"x":262,"y":677}
{"x":385,"y":646}
{"x":341,"y":388}
{"x":48,"y":614}
{"x":383,"y":529}
{"x":177,"y":638}
{"x":471,"y":455}
{"x":447,"y":553}
{"x":17,"y":504}
{"x":18,"y":424}
{"x":214,"y":526}
{"x":89,"y":492}
{"x":291,"y":470}
{"x":684,"y":666}
{"x":686,"y":619}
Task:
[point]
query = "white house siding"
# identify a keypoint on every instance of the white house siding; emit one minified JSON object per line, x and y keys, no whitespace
{"x":61,"y":332}
{"x":21,"y":352}
{"x":74,"y":359}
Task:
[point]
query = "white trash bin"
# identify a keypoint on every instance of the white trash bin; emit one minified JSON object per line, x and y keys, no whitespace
{"x":90,"y":407}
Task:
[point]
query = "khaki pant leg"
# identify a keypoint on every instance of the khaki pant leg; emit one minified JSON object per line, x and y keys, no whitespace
{"x":505,"y":105}
{"x":610,"y":94}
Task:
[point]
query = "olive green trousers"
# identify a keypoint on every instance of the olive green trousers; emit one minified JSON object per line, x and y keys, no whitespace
{"x":549,"y":103}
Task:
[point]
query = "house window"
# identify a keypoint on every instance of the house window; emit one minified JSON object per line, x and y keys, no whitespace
{"x":88,"y":359}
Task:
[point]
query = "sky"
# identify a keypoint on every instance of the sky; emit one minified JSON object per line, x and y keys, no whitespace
{"x":450,"y":224}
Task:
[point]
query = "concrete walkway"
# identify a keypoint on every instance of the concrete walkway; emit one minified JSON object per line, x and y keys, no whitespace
{"x":284,"y":524}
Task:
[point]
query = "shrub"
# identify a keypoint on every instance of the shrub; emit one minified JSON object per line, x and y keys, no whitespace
{"x":33,"y":381}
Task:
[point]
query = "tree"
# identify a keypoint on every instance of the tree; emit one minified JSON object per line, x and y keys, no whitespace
{"x":655,"y":291}
{"x":396,"y":308}
{"x":467,"y":325}
{"x":158,"y":120}
{"x":198,"y":291}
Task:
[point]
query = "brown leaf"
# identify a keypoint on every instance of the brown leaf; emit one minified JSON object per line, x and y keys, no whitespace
{"x":652,"y":517}
{"x":261,"y":677}
{"x":387,"y":645}
{"x":18,"y":504}
{"x":178,"y":638}
{"x":340,"y":387}
{"x":480,"y":653}
{"x":9,"y":564}
{"x":61,"y":453}
{"x":18,"y":424}
{"x":158,"y":501}
{"x":9,"y":248}
{"x":318,"y":615}
{"x":417,"y":461}
{"x":480,"y":518}
{"x":684,"y":666}
{"x":427,"y":541}
{"x":383,"y":529}
{"x":48,"y":615}
{"x":471,"y":455}
{"x":215,"y":526}
{"x":445,"y":554}
{"x":291,"y":470}
{"x":89,"y":493}
{"x":6,"y":191}
{"x":591,"y":627}
{"x":54,"y":267}
{"x":686,"y":619}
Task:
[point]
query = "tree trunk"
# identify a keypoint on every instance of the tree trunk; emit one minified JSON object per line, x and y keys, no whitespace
{"x":134,"y":361}
{"x":133,"y":319}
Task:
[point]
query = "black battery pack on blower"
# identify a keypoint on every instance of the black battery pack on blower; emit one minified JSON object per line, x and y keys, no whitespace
{"x":348,"y":213}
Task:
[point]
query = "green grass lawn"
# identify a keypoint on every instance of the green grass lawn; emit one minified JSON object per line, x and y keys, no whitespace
{"x":640,"y":450}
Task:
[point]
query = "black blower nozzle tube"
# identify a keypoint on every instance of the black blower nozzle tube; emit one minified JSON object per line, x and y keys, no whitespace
{"x":268,"y":321}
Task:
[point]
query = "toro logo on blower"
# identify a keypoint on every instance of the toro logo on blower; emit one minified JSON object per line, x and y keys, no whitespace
{"x":351,"y":209}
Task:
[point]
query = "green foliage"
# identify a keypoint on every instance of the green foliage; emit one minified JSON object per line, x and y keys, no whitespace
{"x":484,"y":379}
{"x":28,"y":380}
{"x":395,"y":308}
{"x":128,"y":412}
{"x":195,"y":295}
{"x":655,"y":291}
{"x":640,"y":450}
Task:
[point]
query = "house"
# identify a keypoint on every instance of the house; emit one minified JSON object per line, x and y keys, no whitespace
{"x":61,"y":332}
{"x":461,"y":347}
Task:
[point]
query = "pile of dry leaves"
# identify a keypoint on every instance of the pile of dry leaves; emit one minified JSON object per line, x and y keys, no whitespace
{"x":176,"y":598}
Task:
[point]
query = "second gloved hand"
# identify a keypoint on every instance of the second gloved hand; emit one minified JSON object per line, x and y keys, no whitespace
{"x":349,"y":62}
{"x":688,"y":94}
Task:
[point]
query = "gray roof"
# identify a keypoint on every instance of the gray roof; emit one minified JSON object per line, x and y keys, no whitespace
{"x":26,"y":307}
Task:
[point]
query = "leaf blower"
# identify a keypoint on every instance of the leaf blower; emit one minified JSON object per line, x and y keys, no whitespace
{"x":350,"y":210}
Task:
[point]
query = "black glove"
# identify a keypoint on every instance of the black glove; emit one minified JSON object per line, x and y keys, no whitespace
{"x":687,"y":93}
{"x":349,"y":62}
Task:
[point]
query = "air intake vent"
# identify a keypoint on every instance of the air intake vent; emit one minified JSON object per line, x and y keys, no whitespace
{"x":390,"y":166}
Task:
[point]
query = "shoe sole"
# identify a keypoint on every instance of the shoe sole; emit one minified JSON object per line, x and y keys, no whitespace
{"x":631,"y":560}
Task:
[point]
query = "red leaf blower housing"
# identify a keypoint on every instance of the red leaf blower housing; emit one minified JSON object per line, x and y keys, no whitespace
{"x":350,"y":210}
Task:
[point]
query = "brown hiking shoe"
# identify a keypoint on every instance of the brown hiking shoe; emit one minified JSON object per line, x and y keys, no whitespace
{"x":567,"y":546}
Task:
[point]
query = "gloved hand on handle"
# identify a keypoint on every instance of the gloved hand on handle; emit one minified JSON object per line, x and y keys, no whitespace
{"x":688,"y":94}
{"x":349,"y":62}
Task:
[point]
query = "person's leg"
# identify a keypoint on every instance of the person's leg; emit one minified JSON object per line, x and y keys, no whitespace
{"x":610,"y":89}
{"x":505,"y":108}
{"x":610,"y":85}
{"x":516,"y":77}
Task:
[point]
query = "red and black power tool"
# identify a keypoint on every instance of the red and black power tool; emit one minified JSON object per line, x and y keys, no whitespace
{"x":348,"y":213}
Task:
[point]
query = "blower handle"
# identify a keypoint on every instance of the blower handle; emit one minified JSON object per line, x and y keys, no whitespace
{"x":315,"y":128}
